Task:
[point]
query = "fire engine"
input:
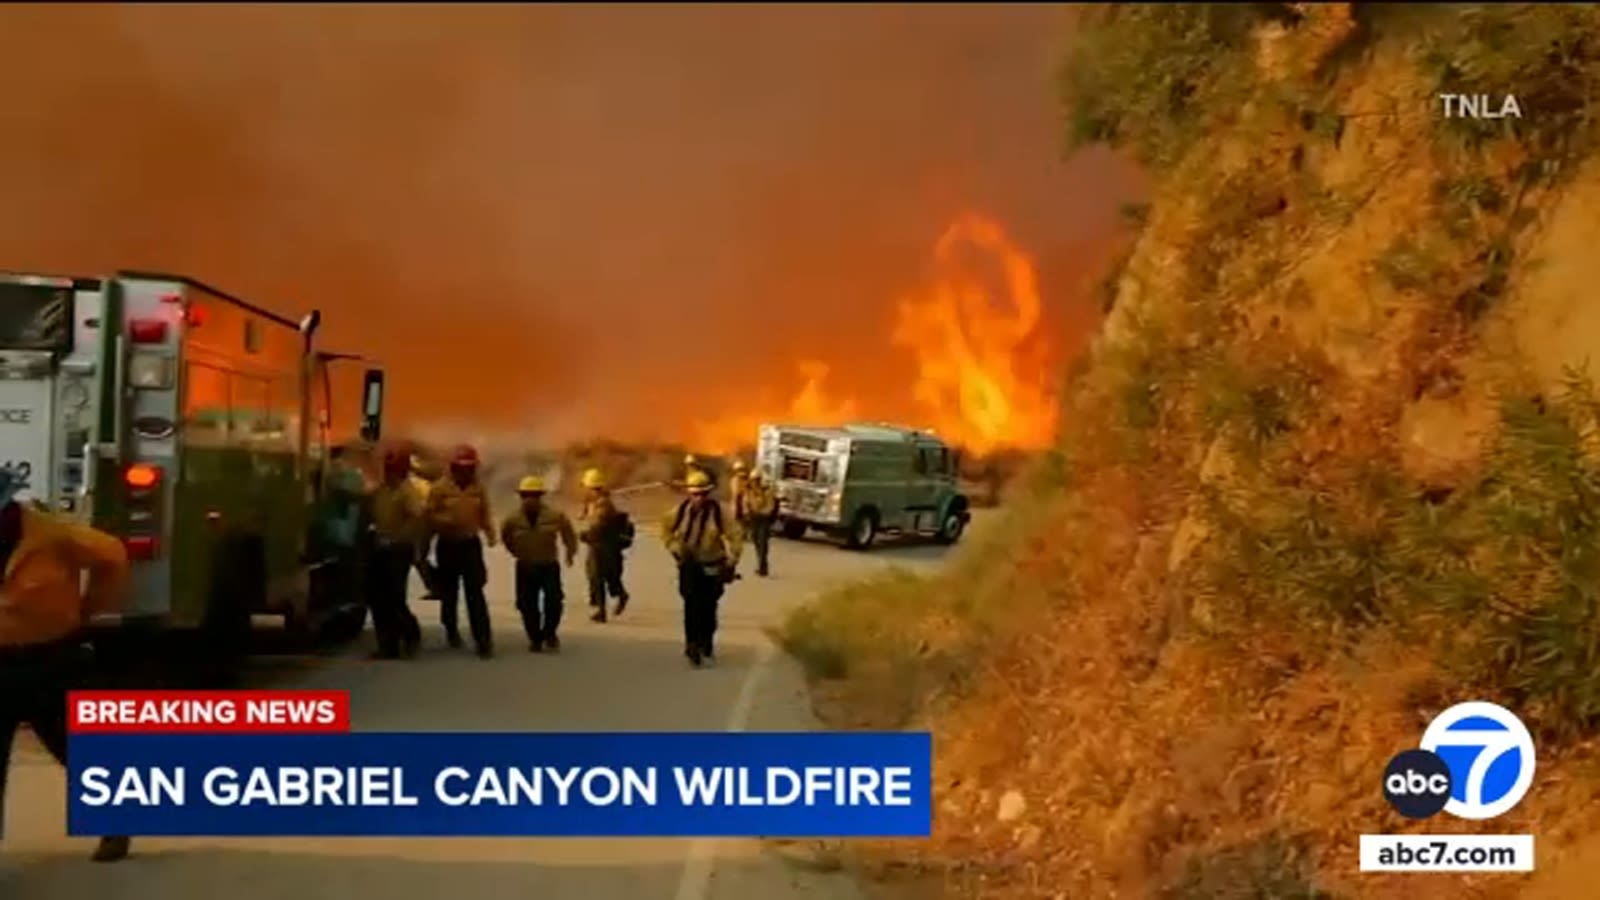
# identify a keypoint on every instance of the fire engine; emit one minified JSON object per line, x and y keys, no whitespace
{"x":198,"y":428}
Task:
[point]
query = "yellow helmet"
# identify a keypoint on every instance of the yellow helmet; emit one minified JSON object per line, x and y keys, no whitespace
{"x":531,"y":484}
{"x":593,"y":479}
{"x":691,"y":460}
{"x":698,"y":482}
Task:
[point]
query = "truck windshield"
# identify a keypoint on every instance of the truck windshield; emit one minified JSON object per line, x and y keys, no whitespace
{"x":35,"y":316}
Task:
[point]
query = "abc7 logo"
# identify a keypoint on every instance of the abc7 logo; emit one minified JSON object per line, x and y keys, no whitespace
{"x":1417,"y":784}
{"x":1476,"y":762}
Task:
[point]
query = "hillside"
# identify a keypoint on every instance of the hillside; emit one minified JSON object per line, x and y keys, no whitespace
{"x":1329,"y":468}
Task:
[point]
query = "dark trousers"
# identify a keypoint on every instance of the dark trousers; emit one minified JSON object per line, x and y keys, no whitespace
{"x":701,"y":590}
{"x":540,"y":599}
{"x":33,"y":691}
{"x":388,"y":577}
{"x":426,"y":574}
{"x":605,"y":578}
{"x":460,"y":570}
{"x":760,"y":528}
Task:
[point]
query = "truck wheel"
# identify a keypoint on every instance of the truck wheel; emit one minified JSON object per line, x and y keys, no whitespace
{"x":953,"y":526}
{"x":863,"y":530}
{"x":238,"y":585}
{"x":345,"y":625}
{"x":297,"y":634}
{"x":793,"y":530}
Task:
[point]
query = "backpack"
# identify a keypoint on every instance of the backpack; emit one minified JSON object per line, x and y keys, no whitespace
{"x":624,"y":526}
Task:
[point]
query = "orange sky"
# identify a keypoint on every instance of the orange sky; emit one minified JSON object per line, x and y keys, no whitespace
{"x":569,"y":219}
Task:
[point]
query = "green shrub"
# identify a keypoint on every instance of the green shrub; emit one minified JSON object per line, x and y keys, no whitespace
{"x":852,"y":621}
{"x":1525,"y":544}
{"x":1269,"y":869}
{"x":1150,"y":77}
{"x":1545,"y":54}
{"x":1501,"y":577}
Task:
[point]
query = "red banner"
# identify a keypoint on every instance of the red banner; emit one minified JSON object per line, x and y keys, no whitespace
{"x":233,"y":712}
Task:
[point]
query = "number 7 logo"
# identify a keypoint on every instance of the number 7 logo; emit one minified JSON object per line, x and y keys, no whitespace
{"x":1490,"y":756}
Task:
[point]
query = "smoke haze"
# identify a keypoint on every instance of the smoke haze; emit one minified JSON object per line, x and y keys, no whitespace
{"x":570,"y":219}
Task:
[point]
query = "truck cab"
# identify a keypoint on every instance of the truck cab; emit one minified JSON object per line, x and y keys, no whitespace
{"x":857,"y":482}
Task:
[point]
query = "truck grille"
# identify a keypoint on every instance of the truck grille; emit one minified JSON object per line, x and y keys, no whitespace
{"x":803,"y":502}
{"x":798,"y":469}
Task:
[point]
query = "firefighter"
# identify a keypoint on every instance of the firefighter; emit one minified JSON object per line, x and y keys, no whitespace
{"x":736,"y":487}
{"x":422,"y":478}
{"x":531,"y":535}
{"x":44,"y":606}
{"x":691,"y":465}
{"x":341,"y":520}
{"x":607,"y":532}
{"x":758,"y":509}
{"x":698,"y":537}
{"x":459,"y":520}
{"x":398,"y":541}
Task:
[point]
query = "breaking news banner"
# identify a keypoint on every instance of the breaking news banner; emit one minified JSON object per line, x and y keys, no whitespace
{"x":284,"y":764}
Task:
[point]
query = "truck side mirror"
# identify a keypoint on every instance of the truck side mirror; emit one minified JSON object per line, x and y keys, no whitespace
{"x":372,"y":406}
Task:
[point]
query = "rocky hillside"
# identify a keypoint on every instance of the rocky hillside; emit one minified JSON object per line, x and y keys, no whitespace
{"x":1331,"y":468}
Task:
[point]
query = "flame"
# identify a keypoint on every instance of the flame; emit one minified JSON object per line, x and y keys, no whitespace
{"x":811,"y":405}
{"x":983,"y":367}
{"x":974,"y":381}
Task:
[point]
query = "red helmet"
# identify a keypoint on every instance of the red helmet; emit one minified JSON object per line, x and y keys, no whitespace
{"x":464,"y":456}
{"x":397,"y":459}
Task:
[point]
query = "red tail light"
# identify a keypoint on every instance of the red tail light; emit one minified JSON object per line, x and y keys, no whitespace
{"x":141,"y":548}
{"x":147,"y":331}
{"x":141,"y":477}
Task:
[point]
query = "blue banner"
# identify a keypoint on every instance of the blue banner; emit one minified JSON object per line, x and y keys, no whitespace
{"x":670,"y":785}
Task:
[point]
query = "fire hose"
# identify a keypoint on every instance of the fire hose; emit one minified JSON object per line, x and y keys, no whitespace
{"x":636,"y":488}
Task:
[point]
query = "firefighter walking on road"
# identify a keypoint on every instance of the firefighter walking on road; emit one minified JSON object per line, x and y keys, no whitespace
{"x":43,"y":612}
{"x":399,"y":534}
{"x":539,"y":538}
{"x":737,"y":479}
{"x":698,"y":536}
{"x":607,"y":532}
{"x":691,"y":465}
{"x":459,"y":519}
{"x":758,"y":509}
{"x":737,"y":482}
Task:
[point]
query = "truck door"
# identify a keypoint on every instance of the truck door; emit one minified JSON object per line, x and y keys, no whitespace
{"x":922,"y":489}
{"x":46,"y":397}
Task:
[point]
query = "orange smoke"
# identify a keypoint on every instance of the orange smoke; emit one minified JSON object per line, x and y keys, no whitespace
{"x":984,"y":368}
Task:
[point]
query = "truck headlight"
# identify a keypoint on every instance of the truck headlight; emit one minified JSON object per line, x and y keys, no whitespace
{"x":150,"y":371}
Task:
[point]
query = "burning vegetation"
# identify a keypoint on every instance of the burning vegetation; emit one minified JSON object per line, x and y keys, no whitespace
{"x":980,"y":360}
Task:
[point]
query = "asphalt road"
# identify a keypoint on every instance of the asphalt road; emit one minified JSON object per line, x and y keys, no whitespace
{"x":629,"y":674}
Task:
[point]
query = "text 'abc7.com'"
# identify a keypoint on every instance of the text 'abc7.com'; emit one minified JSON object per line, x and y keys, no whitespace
{"x":1475,"y":762}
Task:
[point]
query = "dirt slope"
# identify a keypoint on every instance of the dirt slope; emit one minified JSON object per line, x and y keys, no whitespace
{"x":1329,"y":470}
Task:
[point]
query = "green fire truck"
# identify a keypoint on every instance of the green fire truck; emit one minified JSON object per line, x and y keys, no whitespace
{"x":199,"y":429}
{"x":855,"y":482}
